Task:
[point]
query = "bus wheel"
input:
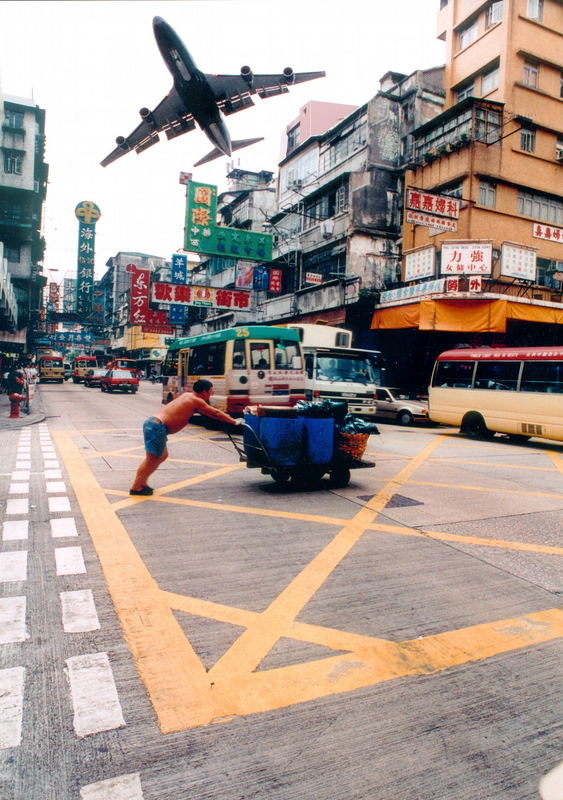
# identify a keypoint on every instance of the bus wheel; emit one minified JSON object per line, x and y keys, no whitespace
{"x":339,"y":477}
{"x":281,"y":475}
{"x":518,"y":437}
{"x":474,"y":425}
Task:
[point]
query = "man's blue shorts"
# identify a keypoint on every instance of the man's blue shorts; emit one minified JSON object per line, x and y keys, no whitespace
{"x":156,"y":434}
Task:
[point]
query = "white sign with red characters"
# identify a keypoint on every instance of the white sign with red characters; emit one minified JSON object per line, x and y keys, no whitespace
{"x":441,"y":204}
{"x":548,"y":232}
{"x":419,"y":264}
{"x":466,"y":258}
{"x":517,"y":261}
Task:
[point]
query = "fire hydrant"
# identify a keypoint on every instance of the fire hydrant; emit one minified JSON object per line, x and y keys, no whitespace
{"x":15,"y":400}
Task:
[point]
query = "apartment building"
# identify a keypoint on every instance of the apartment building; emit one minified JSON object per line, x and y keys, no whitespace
{"x":23,"y":187}
{"x":482,"y":234}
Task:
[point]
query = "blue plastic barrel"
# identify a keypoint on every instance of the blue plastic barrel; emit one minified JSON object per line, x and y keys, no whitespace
{"x":319,"y":440}
{"x":283,"y":439}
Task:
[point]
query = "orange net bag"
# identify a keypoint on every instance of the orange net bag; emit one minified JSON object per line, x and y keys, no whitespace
{"x":351,"y":445}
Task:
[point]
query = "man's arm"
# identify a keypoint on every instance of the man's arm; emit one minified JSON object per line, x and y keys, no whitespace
{"x":215,"y":413}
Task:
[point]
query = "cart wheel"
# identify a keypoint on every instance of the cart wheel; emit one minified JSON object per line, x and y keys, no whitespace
{"x":281,"y":475}
{"x":339,"y":477}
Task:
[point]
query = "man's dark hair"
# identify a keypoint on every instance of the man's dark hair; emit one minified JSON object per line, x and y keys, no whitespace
{"x":202,"y":385}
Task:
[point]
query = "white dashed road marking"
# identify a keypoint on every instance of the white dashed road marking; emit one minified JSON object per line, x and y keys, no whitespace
{"x":69,"y":560}
{"x":125,"y":787}
{"x":79,"y":611}
{"x":94,"y":696}
{"x":15,"y":529}
{"x":11,"y":706}
{"x":13,"y":566}
{"x":63,"y":526}
{"x":12,"y":620}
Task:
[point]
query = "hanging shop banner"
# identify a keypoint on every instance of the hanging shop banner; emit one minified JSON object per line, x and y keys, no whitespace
{"x":207,"y":296}
{"x":313,"y":277}
{"x":518,"y":261}
{"x":140,"y":312}
{"x":548,"y":232}
{"x":261,"y":279}
{"x":275,"y":280}
{"x":203,"y":235}
{"x":441,"y":204}
{"x":420,"y":263}
{"x":467,"y":258}
{"x":431,"y":221}
{"x":87,"y":214}
{"x":177,"y":314}
{"x":244,"y":276}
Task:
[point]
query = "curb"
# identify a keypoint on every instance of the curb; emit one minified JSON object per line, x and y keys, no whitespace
{"x":37,"y":415}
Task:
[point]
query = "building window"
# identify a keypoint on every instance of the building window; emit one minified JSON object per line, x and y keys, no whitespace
{"x":487,"y":125}
{"x":535,"y":9}
{"x":531,"y":74}
{"x":13,"y":119}
{"x":494,"y":13}
{"x":540,"y":206}
{"x":13,"y":160}
{"x":12,"y":253}
{"x":293,"y":138}
{"x":559,"y":149}
{"x":487,"y":194}
{"x":561,"y":86}
{"x":490,"y":80}
{"x":467,"y":35}
{"x":527,"y":140}
{"x":466,"y":91}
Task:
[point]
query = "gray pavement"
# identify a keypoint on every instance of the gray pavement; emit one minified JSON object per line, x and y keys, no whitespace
{"x":36,"y":412}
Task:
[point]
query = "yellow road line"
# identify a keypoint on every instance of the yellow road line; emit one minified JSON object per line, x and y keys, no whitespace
{"x":492,"y":490}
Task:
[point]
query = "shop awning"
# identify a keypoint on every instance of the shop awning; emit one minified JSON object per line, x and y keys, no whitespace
{"x":482,"y":316}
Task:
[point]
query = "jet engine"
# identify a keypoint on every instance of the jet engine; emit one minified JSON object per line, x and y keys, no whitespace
{"x":121,"y":141}
{"x":146,"y":115}
{"x":288,"y":75}
{"x":247,"y":75}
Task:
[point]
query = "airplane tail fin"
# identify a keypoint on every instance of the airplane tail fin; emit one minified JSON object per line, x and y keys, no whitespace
{"x":238,"y":144}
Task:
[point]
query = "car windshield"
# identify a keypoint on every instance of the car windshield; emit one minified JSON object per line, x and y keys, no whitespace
{"x":405,"y":394}
{"x":121,"y":373}
{"x":344,"y":368}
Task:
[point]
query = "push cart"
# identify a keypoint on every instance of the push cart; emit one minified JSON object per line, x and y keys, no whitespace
{"x":294,"y":461}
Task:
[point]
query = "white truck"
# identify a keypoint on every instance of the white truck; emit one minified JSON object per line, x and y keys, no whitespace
{"x":334,"y":370}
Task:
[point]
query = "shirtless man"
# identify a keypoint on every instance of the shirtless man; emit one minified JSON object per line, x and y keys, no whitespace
{"x":172,"y":419}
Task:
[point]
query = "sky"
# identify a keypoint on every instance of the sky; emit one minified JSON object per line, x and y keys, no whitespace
{"x":92,"y":64}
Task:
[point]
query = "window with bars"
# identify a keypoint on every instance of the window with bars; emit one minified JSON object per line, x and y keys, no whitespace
{"x":487,"y":194}
{"x":527,"y":140}
{"x":13,"y":162}
{"x":531,"y":74}
{"x":539,"y":206}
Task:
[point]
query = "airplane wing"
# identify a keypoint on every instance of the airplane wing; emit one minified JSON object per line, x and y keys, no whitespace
{"x":232,"y":92}
{"x":169,"y":116}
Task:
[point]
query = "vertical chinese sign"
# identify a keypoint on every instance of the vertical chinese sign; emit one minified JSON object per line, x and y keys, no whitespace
{"x":203,"y":235}
{"x":87,"y":214}
{"x":177,"y":313}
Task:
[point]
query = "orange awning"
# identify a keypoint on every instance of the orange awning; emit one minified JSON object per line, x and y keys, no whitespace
{"x":480,"y":316}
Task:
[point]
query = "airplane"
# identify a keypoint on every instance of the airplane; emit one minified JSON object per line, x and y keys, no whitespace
{"x":197,"y":97}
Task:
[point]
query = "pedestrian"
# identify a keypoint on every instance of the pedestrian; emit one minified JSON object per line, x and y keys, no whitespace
{"x":173,"y":417}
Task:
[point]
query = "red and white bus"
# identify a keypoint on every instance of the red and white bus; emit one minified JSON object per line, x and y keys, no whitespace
{"x":488,"y":390}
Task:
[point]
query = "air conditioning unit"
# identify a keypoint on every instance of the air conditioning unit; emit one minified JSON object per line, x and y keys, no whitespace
{"x":559,"y":154}
{"x":327,"y":228}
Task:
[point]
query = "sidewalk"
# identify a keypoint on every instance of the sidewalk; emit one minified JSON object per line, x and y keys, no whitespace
{"x":36,"y":413}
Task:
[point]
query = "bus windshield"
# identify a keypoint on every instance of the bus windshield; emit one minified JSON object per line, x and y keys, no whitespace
{"x":344,"y":368}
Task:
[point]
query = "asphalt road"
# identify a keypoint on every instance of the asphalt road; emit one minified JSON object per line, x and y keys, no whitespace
{"x":230,"y":638}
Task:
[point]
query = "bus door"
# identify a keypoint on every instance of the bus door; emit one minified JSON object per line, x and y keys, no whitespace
{"x":185,"y":382}
{"x":263,"y":386}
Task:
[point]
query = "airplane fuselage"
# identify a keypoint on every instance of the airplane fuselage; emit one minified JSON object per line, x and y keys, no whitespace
{"x":192,"y":86}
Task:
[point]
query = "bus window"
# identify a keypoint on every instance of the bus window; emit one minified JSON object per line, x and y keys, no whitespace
{"x":170,"y":366}
{"x":259,"y":355}
{"x":454,"y":373}
{"x":207,"y":359}
{"x":239,"y":356}
{"x":542,"y":376}
{"x":503,"y":375}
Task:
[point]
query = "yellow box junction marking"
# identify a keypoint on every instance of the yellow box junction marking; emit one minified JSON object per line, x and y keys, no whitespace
{"x":185,"y":695}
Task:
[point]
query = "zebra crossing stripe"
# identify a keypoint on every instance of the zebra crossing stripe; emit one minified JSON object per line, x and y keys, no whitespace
{"x":94,"y":695}
{"x":124,"y":787}
{"x":79,"y":611}
{"x":13,"y":566}
{"x":69,"y":561}
{"x":12,"y":620}
{"x":15,"y":529}
{"x":11,"y":706}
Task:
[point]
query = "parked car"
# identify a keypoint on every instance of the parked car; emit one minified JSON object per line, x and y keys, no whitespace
{"x":121,"y":380}
{"x":93,"y":377}
{"x":400,"y":405}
